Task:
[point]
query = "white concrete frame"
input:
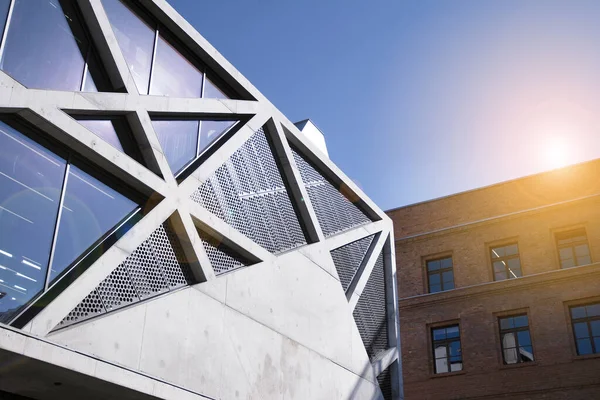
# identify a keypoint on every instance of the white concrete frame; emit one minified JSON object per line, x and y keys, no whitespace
{"x":48,"y":109}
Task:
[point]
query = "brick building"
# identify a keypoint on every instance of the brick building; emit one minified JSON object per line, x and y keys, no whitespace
{"x":499,"y":289}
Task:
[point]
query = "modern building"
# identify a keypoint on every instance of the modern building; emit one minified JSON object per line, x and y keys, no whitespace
{"x":165,"y":232}
{"x":500,"y":289}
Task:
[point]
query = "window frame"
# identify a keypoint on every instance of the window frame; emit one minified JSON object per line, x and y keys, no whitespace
{"x":501,"y":331}
{"x":564,"y":232}
{"x":446,"y":342}
{"x":492,"y":260}
{"x":438,"y":257}
{"x":52,"y":288}
{"x":587,"y":320}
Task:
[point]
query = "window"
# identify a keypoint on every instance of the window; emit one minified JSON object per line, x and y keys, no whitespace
{"x":51,"y":212}
{"x":506,"y":262}
{"x":586,"y":328}
{"x":515,"y":339}
{"x":573,"y":248}
{"x":158,"y":64}
{"x":183,"y":141}
{"x":440,"y":275}
{"x":116,"y":131}
{"x":447,"y":353}
{"x":47,"y":47}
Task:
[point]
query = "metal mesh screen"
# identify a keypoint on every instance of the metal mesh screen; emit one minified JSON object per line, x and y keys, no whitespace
{"x":385,"y":383}
{"x":155,"y":267}
{"x":248,"y":193}
{"x":348,"y":258}
{"x":334,"y":211}
{"x":221,"y":257}
{"x":370,"y":312}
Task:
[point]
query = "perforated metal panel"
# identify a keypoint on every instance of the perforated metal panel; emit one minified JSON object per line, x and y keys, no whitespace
{"x":370,"y":312}
{"x":348,"y":258}
{"x":248,"y":193}
{"x":385,"y":383}
{"x":155,"y":267}
{"x":221,"y":257}
{"x":334,"y":211}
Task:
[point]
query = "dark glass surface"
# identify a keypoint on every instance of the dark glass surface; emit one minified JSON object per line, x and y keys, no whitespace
{"x":433,"y":265}
{"x":4,"y":4}
{"x":91,"y":209}
{"x":210,"y":131}
{"x":136,"y":40}
{"x":211,"y":91}
{"x":173,"y":75}
{"x":104,"y":129}
{"x":179,"y":141}
{"x":45,"y":46}
{"x":30,"y":185}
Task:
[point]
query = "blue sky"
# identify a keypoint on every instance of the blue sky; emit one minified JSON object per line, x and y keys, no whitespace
{"x":420,"y":99}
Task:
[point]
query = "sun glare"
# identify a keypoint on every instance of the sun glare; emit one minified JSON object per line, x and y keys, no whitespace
{"x":556,"y":152}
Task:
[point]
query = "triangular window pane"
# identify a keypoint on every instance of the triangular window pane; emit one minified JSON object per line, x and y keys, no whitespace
{"x":90,"y":210}
{"x":211,"y":91}
{"x":105,"y":129}
{"x":211,"y":131}
{"x":136,"y":40}
{"x":173,"y":75}
{"x":46,"y":45}
{"x":179,"y":141}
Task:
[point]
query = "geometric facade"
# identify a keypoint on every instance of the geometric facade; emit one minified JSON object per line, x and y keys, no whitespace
{"x":165,"y":232}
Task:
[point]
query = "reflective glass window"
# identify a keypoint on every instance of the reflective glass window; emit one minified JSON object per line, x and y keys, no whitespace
{"x":90,"y":210}
{"x":46,"y":47}
{"x":173,"y":75}
{"x":31,"y":180}
{"x":506,"y":262}
{"x":447,"y":353}
{"x":586,"y":328}
{"x":515,"y":339}
{"x":179,"y":141}
{"x":105,"y":129}
{"x":211,"y":131}
{"x":136,"y":40}
{"x":211,"y":91}
{"x":440,"y":275}
{"x":573,"y":249}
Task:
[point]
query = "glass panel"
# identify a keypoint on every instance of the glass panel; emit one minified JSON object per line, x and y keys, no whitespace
{"x":179,"y":141}
{"x":30,"y":184}
{"x":452,"y":332}
{"x":105,"y":129}
{"x":582,"y":250}
{"x":173,"y":75}
{"x":569,"y":263}
{"x":526,"y":353}
{"x":434,"y":279}
{"x":211,"y":131}
{"x":511,"y":250}
{"x":581,"y":330}
{"x":597,"y":345}
{"x":439,"y":334}
{"x":524,"y":338}
{"x":578,"y":312}
{"x":441,"y":365}
{"x":595,"y":327}
{"x":508,"y":340}
{"x":507,"y":323}
{"x":433,"y":265}
{"x":510,"y":356}
{"x":136,"y":40}
{"x":446,"y":263}
{"x":584,"y":346}
{"x":500,"y":276}
{"x":454,"y":349}
{"x":448,"y":285}
{"x":90,"y":210}
{"x":499,"y":266}
{"x":212,"y":92}
{"x":566,"y":253}
{"x":435,"y":288}
{"x":521,"y":321}
{"x":4,"y":4}
{"x":593,"y":310}
{"x":456,"y":364}
{"x":45,"y":46}
{"x":498,"y":252}
{"x":448,"y":277}
{"x":514,"y":266}
{"x":584,"y":260}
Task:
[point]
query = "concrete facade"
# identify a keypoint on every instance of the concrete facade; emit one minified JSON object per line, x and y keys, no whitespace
{"x":279,"y":327}
{"x":529,"y":211}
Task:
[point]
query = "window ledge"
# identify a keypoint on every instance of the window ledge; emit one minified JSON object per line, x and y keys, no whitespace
{"x":518,"y":365}
{"x":586,"y":357}
{"x":447,"y":374}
